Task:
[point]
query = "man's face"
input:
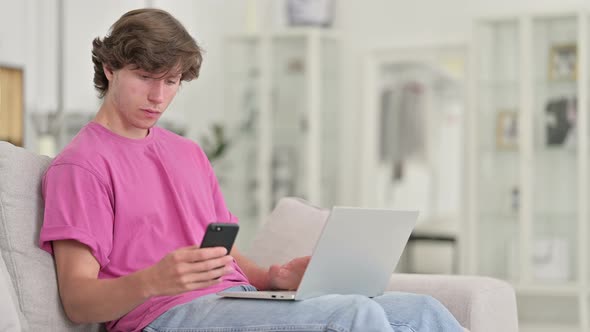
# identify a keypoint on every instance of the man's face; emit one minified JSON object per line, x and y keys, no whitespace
{"x":138,"y":97}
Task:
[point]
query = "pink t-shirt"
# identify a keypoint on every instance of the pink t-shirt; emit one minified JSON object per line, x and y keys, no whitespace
{"x":132,"y":202}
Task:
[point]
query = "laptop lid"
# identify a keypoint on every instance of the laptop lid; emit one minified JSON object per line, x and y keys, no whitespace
{"x":357,"y":252}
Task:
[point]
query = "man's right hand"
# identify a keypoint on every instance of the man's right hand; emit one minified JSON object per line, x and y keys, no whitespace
{"x":187,"y":269}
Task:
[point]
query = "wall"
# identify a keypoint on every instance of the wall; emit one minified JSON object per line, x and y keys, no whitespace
{"x":202,"y":101}
{"x":199,"y":102}
{"x":13,"y":31}
{"x":26,"y":41}
{"x":84,"y":21}
{"x":28,"y":33}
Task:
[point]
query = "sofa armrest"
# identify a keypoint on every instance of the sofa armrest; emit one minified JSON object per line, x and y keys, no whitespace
{"x":480,"y":304}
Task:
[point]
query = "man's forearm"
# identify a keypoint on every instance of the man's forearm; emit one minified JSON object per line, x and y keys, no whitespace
{"x":257,"y":276}
{"x":88,"y":299}
{"x":101,"y":300}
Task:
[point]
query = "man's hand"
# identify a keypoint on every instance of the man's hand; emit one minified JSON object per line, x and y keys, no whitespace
{"x":288,"y":276}
{"x":187,"y":269}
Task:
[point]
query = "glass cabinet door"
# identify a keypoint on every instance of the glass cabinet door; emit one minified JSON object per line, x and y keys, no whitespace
{"x":289,"y":118}
{"x":330,"y":121}
{"x":276,"y":85}
{"x":585,"y":78}
{"x":237,"y":170}
{"x":498,"y":158}
{"x":555,"y":152}
{"x":532,"y":181}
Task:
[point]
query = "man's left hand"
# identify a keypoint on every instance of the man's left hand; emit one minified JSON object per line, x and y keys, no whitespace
{"x":288,"y":276}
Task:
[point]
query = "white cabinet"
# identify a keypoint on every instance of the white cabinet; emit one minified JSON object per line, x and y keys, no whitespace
{"x":281,"y":114}
{"x":528,"y":163}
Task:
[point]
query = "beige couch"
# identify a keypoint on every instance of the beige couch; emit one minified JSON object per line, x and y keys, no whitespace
{"x":29,"y":299}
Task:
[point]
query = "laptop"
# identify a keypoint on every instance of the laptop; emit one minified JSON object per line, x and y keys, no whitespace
{"x":356,"y":253}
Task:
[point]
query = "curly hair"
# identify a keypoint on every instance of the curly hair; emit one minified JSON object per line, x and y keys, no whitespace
{"x":149,"y":39}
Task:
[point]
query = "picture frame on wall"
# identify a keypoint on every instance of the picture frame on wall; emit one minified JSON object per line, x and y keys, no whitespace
{"x":12,"y":105}
{"x":560,"y":121}
{"x":563,"y":62}
{"x":310,"y":12}
{"x":507,"y":129}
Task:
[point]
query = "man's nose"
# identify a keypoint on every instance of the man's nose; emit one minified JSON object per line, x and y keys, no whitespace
{"x":156,"y":93}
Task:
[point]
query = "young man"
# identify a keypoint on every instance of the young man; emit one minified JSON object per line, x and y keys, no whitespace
{"x":127,"y":204}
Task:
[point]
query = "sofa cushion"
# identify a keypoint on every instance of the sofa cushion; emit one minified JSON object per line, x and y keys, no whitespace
{"x":31,"y":270}
{"x":8,"y":305}
{"x":292,"y":219}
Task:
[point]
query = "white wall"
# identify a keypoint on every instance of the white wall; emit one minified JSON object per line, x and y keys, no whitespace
{"x":27,"y":38}
{"x":84,"y":21}
{"x":12,"y":32}
{"x":27,"y":31}
{"x":198,"y":102}
{"x":201,"y":101}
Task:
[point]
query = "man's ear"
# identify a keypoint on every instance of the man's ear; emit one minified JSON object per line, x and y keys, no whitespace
{"x":108,"y":72}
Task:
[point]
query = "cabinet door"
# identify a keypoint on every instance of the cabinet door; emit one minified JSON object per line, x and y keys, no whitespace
{"x":555,"y":150}
{"x":290,"y":122}
{"x":238,"y":169}
{"x":497,"y":160}
{"x":330,"y":163}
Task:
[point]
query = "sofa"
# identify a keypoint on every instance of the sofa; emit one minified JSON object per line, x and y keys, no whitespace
{"x":29,"y":298}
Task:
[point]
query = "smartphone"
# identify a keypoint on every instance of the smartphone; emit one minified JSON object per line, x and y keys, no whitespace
{"x":220,"y":235}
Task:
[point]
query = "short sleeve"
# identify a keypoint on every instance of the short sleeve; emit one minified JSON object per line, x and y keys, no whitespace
{"x":78,"y":206}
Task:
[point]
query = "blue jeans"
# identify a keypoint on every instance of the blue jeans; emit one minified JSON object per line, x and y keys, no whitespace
{"x":333,"y":313}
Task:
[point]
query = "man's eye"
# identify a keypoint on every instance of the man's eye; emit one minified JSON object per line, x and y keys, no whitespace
{"x":169,"y":82}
